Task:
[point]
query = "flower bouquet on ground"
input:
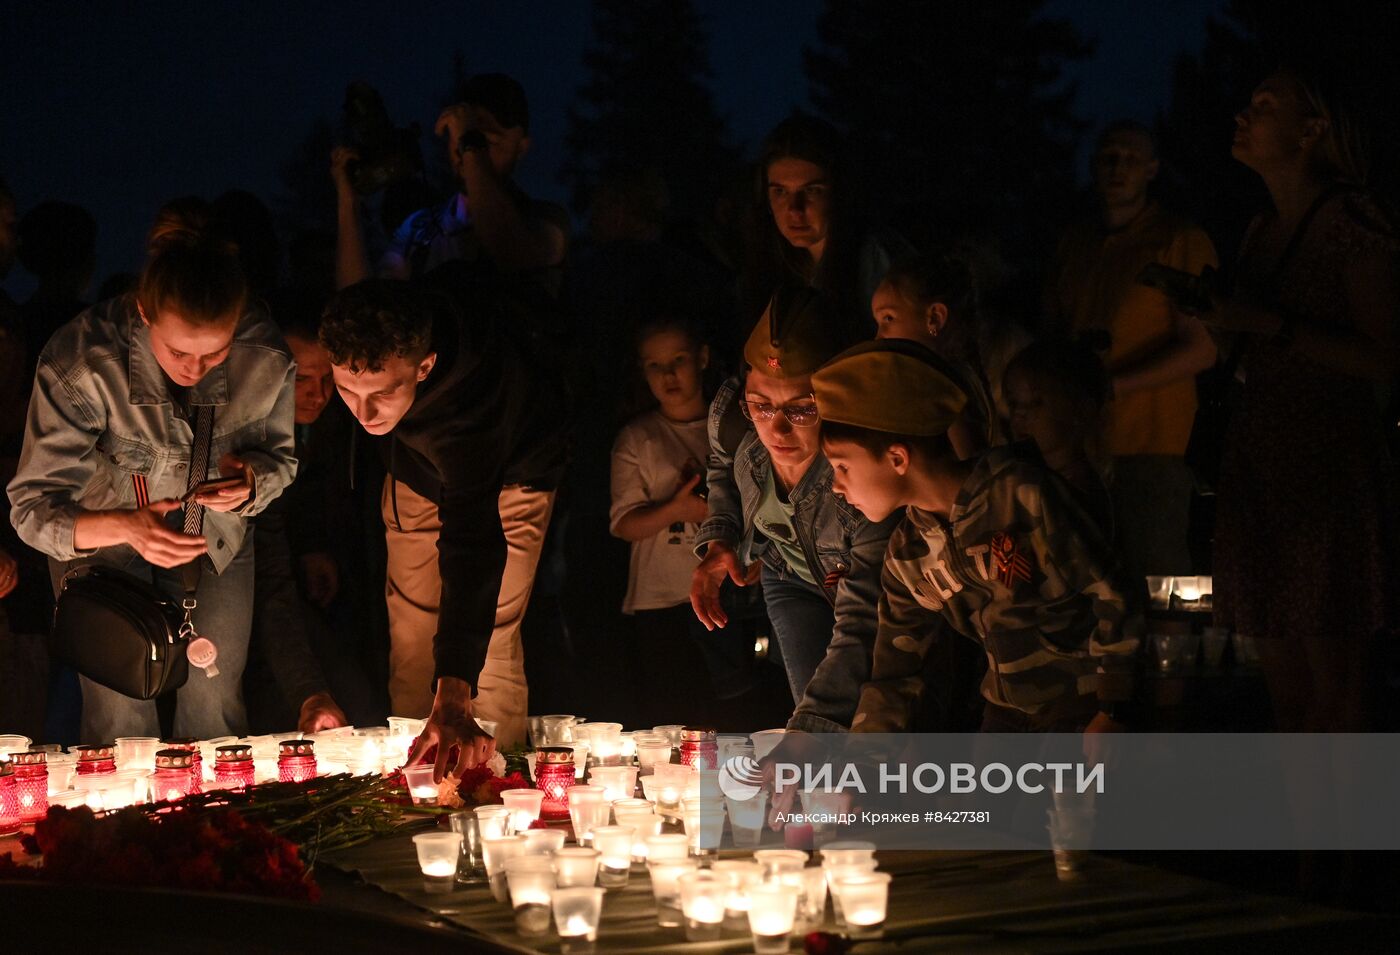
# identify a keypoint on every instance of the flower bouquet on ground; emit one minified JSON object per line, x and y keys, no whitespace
{"x":480,"y":786}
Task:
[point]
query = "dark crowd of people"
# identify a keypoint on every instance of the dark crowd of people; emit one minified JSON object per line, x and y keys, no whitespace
{"x":778,"y":468}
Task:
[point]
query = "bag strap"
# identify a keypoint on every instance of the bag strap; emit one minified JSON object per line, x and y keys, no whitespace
{"x":194,"y":511}
{"x":1232,"y":360}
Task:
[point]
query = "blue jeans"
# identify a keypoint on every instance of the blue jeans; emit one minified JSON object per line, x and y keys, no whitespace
{"x":802,"y":621}
{"x":206,"y":707}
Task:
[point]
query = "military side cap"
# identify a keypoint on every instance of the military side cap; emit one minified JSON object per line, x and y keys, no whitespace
{"x":795,"y":336}
{"x":890,"y":385}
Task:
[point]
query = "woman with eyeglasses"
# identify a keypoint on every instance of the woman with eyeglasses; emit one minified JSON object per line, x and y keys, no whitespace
{"x":773,"y":517}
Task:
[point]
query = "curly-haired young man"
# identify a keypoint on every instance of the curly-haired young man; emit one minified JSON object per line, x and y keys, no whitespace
{"x":476,"y":447}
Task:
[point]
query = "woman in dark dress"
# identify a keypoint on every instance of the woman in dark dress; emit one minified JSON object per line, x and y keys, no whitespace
{"x":1305,"y":543}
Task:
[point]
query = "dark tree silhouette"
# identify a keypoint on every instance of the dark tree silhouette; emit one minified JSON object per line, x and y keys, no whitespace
{"x":958,"y":113}
{"x":646,"y":103}
{"x":1350,"y":43}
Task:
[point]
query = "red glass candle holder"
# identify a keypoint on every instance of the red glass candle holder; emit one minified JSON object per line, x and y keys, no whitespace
{"x":296,"y":760}
{"x":554,"y":775}
{"x":699,"y":747}
{"x":191,"y":746}
{"x":9,"y":799}
{"x":174,"y":776}
{"x":233,"y":765}
{"x":97,"y":759}
{"x":32,"y":784}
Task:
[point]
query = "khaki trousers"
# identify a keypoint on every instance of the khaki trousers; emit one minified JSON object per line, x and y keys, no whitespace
{"x":413,"y":591}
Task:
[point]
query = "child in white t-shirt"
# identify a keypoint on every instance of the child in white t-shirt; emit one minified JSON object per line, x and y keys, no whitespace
{"x":658,"y":503}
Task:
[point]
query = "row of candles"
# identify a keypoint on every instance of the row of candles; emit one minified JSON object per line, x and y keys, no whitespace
{"x":773,"y":895}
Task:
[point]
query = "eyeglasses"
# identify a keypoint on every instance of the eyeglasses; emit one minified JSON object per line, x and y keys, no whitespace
{"x":801,"y":413}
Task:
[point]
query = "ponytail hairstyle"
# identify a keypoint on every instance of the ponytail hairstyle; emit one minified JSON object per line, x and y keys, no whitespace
{"x":190,"y":268}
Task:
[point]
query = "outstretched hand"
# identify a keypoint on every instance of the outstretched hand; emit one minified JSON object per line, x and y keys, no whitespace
{"x":461,"y":743}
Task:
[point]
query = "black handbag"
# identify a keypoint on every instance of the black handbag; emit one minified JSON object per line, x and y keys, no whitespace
{"x":121,"y":632}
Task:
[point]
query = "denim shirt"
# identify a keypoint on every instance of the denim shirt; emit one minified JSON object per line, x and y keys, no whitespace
{"x":844,"y":551}
{"x":100,"y":414}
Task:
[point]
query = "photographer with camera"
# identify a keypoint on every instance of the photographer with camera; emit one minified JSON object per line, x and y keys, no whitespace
{"x":1155,"y":349}
{"x":490,"y":221}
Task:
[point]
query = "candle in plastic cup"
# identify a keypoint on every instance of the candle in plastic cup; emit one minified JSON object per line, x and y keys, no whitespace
{"x":543,"y":842}
{"x":588,"y":808}
{"x":524,"y":806}
{"x":665,"y":877}
{"x":772,"y":908}
{"x":811,"y":899}
{"x":531,"y":882}
{"x":742,"y":875}
{"x":667,"y":847}
{"x":137,"y":752}
{"x":651,"y":750}
{"x":421,"y":788}
{"x":642,"y":819}
{"x":493,"y":820}
{"x":776,"y":861}
{"x":747,"y":818}
{"x":702,"y":904}
{"x":864,"y":899}
{"x":469,"y":866}
{"x":438,"y":854}
{"x":576,"y":866}
{"x":835,"y":874}
{"x":764,"y":742}
{"x":849,"y":852}
{"x":577,"y":912}
{"x":614,"y":845}
{"x":495,"y":852}
{"x":618,"y":782}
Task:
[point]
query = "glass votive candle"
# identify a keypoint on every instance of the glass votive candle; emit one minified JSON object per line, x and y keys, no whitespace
{"x":742,"y":875}
{"x":614,"y":845}
{"x":618,"y":782}
{"x":296,"y":760}
{"x":811,"y":899}
{"x":664,"y":877}
{"x":9,"y":798}
{"x":747,"y":818}
{"x":421,"y":788}
{"x":31,"y":784}
{"x":864,"y":899}
{"x":702,"y":904}
{"x":577,"y":912}
{"x":772,"y":908}
{"x":136,"y":752}
{"x":699,"y":748}
{"x":174,"y":775}
{"x":493,"y":820}
{"x":588,"y":807}
{"x":554,"y":774}
{"x":98,"y":759}
{"x":464,"y":823}
{"x":652,"y":748}
{"x":438,"y":855}
{"x":575,"y":866}
{"x":233,"y":765}
{"x":644,"y":822}
{"x":667,"y":847}
{"x":496,"y":851}
{"x":543,"y":842}
{"x":524,"y":806}
{"x":531,"y":883}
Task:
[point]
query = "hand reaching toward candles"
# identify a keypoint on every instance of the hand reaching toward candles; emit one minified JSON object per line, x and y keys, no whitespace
{"x":319,"y":712}
{"x":720,"y":561}
{"x":461,"y":743}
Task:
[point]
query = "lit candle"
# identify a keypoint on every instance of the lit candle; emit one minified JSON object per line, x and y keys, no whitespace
{"x":574,"y":926}
{"x":438,"y":868}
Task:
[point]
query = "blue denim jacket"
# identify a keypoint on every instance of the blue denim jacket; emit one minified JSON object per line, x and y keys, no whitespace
{"x":100,"y":413}
{"x":844,"y":551}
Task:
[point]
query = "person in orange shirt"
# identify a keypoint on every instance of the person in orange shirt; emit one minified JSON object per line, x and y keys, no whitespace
{"x":1154,"y":353}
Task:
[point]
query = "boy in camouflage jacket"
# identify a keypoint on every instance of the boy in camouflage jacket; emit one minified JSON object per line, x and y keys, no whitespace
{"x":993,"y":548}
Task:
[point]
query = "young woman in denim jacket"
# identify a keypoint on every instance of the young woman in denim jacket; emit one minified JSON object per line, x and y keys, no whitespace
{"x":773,"y":516}
{"x":107,"y":451}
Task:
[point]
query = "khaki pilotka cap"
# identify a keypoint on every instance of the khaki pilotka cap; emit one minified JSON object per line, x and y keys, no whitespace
{"x":794,"y":337}
{"x":890,"y":385}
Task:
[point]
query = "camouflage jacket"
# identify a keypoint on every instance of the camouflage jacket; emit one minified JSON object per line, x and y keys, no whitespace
{"x":1017,"y":567}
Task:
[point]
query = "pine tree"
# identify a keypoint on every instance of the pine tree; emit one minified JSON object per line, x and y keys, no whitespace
{"x":646,"y":104}
{"x":958,"y":115}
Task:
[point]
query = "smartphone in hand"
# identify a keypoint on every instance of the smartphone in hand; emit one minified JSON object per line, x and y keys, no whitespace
{"x":210,"y":486}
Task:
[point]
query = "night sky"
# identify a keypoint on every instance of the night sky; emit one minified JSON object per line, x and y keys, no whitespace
{"x":120,"y":106}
